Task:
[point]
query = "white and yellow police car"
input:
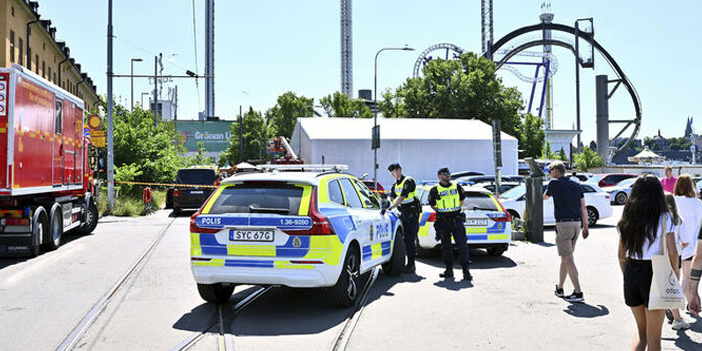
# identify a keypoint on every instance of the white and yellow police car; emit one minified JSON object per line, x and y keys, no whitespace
{"x":317,"y":228}
{"x":487,"y":223}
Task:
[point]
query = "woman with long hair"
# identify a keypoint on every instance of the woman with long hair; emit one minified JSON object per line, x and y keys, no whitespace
{"x":690,"y":209}
{"x":645,"y":223}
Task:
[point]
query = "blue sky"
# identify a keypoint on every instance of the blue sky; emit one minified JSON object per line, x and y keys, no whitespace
{"x":265,"y":48}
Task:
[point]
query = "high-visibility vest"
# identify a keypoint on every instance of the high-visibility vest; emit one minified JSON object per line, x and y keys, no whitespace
{"x":410,"y":197}
{"x":449,"y":200}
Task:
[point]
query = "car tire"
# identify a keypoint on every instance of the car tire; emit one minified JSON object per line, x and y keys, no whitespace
{"x":397,"y":261}
{"x":215,"y":293}
{"x":620,"y":198}
{"x":496,"y":251}
{"x":40,"y":227}
{"x":91,"y":219}
{"x":347,"y":288}
{"x":592,"y":216}
{"x":52,"y":238}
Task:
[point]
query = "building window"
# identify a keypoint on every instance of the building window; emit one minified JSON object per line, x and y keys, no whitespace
{"x":12,"y":46}
{"x":20,"y":57}
{"x":36,"y":63}
{"x":43,"y":46}
{"x":12,"y":10}
{"x":48,"y":75}
{"x":43,"y":68}
{"x":55,"y":80}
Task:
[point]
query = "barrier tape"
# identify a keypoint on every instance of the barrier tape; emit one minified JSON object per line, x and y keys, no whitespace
{"x":169,"y":184}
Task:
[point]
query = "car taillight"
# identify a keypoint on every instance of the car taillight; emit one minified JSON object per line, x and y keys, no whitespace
{"x":432,"y":217}
{"x":506,"y":218}
{"x":195,"y":229}
{"x":607,"y":196}
{"x":176,"y":192}
{"x":320,"y":222}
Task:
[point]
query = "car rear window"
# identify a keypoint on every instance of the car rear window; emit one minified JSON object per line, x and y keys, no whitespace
{"x":259,"y":198}
{"x":479,"y":202}
{"x":196,"y":176}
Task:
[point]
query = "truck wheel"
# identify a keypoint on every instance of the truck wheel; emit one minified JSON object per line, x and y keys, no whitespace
{"x":52,"y":239}
{"x":38,"y":233}
{"x":345,"y":292}
{"x":91,"y":219}
{"x":397,"y":260}
{"x":215,"y":293}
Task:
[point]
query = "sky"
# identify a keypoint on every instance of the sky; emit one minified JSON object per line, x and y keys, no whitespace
{"x":265,"y":48}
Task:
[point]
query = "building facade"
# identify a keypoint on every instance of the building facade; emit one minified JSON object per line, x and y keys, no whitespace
{"x":42,"y":53}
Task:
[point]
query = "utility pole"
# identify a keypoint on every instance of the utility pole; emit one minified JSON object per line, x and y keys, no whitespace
{"x":155,"y":107}
{"x":209,"y":59}
{"x":241,"y":135}
{"x":110,"y":151}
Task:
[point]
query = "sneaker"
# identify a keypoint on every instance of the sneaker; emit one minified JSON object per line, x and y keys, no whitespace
{"x":559,"y":292}
{"x":669,"y":316}
{"x":681,"y":325}
{"x":467,"y":276}
{"x":447,"y":274}
{"x":410,"y":268}
{"x":575,"y":297}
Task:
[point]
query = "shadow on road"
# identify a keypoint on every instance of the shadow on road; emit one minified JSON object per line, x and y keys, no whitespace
{"x":66,"y":239}
{"x":479,"y":260}
{"x":454,"y":284}
{"x":683,"y":341}
{"x":584,"y":310}
{"x":204,"y":315}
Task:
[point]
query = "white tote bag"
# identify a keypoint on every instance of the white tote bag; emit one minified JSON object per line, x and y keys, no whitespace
{"x":666,"y":292}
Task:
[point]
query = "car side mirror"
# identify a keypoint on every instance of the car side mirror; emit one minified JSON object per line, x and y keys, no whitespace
{"x":385,"y":203}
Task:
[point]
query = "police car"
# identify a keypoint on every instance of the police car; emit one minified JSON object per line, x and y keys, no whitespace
{"x":317,"y":228}
{"x":487,"y":223}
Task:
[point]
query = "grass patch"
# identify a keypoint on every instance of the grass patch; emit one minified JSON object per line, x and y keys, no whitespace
{"x":130,"y":206}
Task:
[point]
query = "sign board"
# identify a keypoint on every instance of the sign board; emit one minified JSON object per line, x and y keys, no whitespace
{"x":94,"y":122}
{"x":98,"y":137}
{"x":375,"y":138}
{"x":214,"y":135}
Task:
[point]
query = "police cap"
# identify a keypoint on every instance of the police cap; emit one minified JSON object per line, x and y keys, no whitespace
{"x":444,"y":170}
{"x":394,"y":166}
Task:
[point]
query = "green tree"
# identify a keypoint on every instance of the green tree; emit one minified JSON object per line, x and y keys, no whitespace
{"x":282,"y":117}
{"x":562,"y":155}
{"x":200,"y":159}
{"x":467,"y":88}
{"x":547,"y":153}
{"x":587,"y":159}
{"x":340,"y":105}
{"x":151,"y":149}
{"x":255,"y":135}
{"x":531,"y":137}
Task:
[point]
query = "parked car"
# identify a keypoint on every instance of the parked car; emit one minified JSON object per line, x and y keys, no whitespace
{"x":523,"y":167}
{"x":583,"y":177}
{"x":194,"y":186}
{"x":470,"y":180}
{"x":464,"y":174}
{"x":487,"y":223}
{"x":312,"y":229}
{"x":490,"y":186}
{"x":620,"y":192}
{"x":610,"y":179}
{"x":597,"y":202}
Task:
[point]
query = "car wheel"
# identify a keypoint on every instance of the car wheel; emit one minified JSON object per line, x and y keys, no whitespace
{"x":39,"y":232}
{"x":52,"y":239}
{"x":592,"y":216}
{"x":91,"y":219}
{"x":345,"y":292}
{"x":215,"y":293}
{"x":496,"y":251}
{"x":397,"y":260}
{"x":620,"y":198}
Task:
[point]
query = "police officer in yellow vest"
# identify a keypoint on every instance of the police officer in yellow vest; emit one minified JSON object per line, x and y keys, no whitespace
{"x":447,"y":200}
{"x":404,"y":194}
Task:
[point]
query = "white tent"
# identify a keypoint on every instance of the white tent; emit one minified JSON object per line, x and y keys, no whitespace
{"x":421,"y":146}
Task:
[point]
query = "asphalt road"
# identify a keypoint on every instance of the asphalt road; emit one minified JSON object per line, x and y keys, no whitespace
{"x":509,"y":306}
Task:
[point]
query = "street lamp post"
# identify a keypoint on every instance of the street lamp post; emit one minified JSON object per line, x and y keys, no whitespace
{"x":132,"y":79}
{"x":376,"y":132}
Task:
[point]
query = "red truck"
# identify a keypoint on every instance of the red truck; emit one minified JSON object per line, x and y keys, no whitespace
{"x":46,"y":181}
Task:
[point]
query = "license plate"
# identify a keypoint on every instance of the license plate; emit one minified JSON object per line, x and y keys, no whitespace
{"x":476,"y":222}
{"x":198,"y":192}
{"x":252,"y":235}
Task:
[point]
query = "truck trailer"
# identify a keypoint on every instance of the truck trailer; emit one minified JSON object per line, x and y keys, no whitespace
{"x":46,"y":178}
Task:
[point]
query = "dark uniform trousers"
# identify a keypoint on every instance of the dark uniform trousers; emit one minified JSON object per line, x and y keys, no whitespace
{"x":410,"y":227}
{"x":452,"y":226}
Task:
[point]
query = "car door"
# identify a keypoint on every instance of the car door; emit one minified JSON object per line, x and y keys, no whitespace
{"x":362,"y":220}
{"x":549,"y":216}
{"x":381,"y":237}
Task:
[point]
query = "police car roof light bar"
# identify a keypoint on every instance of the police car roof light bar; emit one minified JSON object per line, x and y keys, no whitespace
{"x":304,"y":168}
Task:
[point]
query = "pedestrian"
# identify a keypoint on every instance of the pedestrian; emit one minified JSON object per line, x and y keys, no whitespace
{"x":447,"y":199}
{"x":674,"y":316}
{"x":641,"y":233}
{"x":571,"y":213}
{"x":692,"y":293}
{"x":404,"y":195}
{"x":669,"y":181}
{"x":690,"y":209}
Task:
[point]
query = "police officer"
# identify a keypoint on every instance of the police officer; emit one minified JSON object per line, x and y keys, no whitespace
{"x":404,"y":194}
{"x":447,"y":200}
